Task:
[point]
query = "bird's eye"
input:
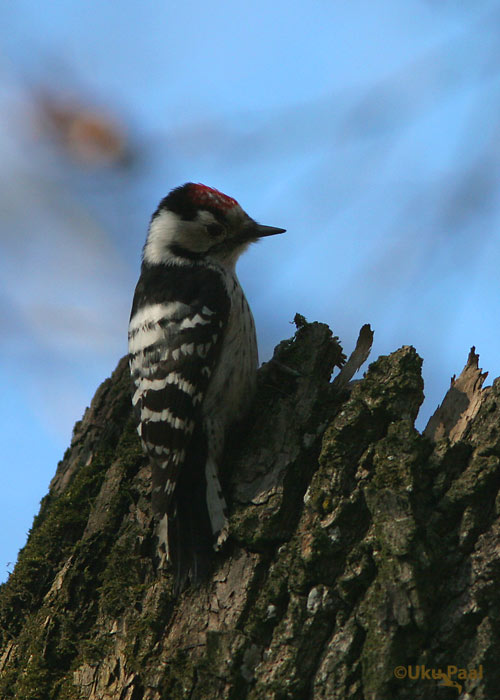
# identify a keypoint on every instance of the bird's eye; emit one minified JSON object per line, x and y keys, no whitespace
{"x":215,"y":229}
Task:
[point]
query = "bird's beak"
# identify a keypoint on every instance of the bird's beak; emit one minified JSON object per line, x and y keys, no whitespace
{"x":262,"y":231}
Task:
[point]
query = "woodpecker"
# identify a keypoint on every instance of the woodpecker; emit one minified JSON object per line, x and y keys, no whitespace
{"x":193,"y":362}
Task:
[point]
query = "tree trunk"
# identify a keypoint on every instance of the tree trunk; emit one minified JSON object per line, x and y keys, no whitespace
{"x":363,"y":561}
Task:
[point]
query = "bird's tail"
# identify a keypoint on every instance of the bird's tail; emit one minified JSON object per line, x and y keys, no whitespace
{"x":185,"y":538}
{"x":190,"y":541}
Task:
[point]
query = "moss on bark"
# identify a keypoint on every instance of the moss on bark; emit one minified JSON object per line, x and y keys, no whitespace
{"x":358,"y":546}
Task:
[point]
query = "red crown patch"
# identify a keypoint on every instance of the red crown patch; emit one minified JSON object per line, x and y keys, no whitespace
{"x":207,"y":196}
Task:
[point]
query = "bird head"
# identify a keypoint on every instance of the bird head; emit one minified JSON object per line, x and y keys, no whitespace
{"x":194,"y":222}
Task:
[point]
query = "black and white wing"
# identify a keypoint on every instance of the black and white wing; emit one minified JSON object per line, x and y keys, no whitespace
{"x":175,"y":338}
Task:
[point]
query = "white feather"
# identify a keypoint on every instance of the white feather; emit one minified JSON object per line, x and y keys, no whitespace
{"x":153,"y":313}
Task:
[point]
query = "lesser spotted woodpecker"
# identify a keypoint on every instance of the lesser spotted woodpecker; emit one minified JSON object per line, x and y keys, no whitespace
{"x":193,"y":362}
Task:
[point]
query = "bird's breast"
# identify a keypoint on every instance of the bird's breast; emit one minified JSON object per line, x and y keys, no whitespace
{"x":233,"y":383}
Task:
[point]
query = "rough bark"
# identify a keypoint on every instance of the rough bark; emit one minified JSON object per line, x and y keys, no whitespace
{"x":358,"y":546}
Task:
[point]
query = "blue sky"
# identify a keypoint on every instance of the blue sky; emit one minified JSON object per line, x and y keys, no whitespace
{"x":370,"y":131}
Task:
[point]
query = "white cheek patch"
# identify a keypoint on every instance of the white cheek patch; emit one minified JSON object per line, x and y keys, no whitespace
{"x":163,"y":231}
{"x":168,"y":229}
